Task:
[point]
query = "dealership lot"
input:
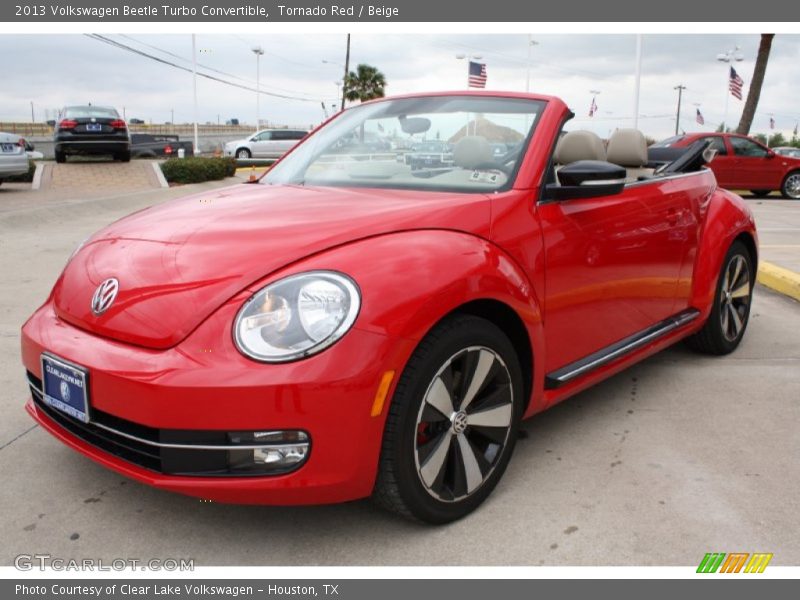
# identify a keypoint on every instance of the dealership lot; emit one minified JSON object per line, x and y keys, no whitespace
{"x":679,"y":456}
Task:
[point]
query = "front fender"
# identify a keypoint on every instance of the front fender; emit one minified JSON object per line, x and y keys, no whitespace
{"x":727,"y":218}
{"x":410,"y":280}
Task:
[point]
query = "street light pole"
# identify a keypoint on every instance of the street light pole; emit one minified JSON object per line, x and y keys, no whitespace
{"x":638,"y":79}
{"x":196,"y":149}
{"x":728,"y":57}
{"x":259,"y":52}
{"x":680,"y":89}
{"x":531,"y":44}
{"x":346,"y":70}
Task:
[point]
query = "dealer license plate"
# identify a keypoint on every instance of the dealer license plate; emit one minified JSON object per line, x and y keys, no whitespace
{"x":64,"y":386}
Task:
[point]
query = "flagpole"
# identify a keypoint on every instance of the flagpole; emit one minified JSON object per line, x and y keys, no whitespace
{"x":638,"y":81}
{"x":727,"y":99}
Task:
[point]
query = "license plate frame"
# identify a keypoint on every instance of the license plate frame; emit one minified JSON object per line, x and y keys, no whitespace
{"x":71,"y":396}
{"x":94,"y":127}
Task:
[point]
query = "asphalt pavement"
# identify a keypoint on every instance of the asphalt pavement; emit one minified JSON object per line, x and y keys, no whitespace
{"x":679,"y":456}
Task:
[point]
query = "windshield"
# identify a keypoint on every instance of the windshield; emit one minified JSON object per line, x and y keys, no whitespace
{"x":82,"y":112}
{"x":433,"y":143}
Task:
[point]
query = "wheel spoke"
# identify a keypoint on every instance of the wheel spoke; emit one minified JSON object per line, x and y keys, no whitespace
{"x":499,"y":416}
{"x":737,"y":320}
{"x":724,"y":318}
{"x":485,"y":361}
{"x":742,"y":291}
{"x":472,"y":470}
{"x":439,"y":398}
{"x":737,"y":269}
{"x":436,"y":460}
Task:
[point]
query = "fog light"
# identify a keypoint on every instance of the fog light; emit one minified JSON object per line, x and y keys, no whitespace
{"x":283,"y":456}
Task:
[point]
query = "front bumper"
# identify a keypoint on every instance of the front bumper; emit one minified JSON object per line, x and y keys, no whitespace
{"x":204,"y":384}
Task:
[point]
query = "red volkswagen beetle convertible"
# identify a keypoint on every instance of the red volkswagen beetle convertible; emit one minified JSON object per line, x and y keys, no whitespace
{"x":349,"y":326}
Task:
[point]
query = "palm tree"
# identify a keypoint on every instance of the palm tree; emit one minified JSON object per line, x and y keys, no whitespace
{"x":755,"y":86}
{"x":365,"y":83}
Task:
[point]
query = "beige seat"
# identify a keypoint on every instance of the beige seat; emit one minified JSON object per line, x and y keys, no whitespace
{"x":579,"y":145}
{"x":472,"y":152}
{"x":628,"y":148}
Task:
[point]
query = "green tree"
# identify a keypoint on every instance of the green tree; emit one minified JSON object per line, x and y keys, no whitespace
{"x":776,"y":140}
{"x":754,"y":93}
{"x":761,"y":138}
{"x":365,"y":83}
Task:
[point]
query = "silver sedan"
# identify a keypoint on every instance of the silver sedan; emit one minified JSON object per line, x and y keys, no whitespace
{"x":13,"y":158}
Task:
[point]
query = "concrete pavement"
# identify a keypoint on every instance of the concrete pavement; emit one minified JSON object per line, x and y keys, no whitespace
{"x":678,"y":456}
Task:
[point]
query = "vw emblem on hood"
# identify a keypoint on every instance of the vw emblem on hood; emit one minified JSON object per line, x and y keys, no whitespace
{"x":104,"y":296}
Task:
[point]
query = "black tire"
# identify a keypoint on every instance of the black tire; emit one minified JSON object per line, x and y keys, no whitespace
{"x":417,"y":435}
{"x":61,"y":157}
{"x":790,"y":188}
{"x":124,"y":156}
{"x":720,"y":333}
{"x":243,"y":153}
{"x":760,"y":192}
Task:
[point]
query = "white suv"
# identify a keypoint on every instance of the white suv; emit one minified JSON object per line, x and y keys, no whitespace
{"x":267,"y":143}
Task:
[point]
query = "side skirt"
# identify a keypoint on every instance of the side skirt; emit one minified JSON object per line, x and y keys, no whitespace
{"x":567,"y":373}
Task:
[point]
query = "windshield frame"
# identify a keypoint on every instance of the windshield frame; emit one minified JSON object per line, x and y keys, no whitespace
{"x":539,"y":102}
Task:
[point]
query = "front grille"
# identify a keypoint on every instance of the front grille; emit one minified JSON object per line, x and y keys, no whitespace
{"x":149,"y":447}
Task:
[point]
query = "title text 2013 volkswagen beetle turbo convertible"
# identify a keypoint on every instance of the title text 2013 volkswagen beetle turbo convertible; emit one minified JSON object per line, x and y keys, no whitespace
{"x":349,"y":327}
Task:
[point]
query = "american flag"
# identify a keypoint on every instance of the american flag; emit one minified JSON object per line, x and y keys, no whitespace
{"x":699,"y":118}
{"x":772,"y":123}
{"x":735,"y":84}
{"x":593,"y":106}
{"x":477,"y":75}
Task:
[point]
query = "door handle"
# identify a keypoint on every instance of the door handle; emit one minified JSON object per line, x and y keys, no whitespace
{"x":673,"y":216}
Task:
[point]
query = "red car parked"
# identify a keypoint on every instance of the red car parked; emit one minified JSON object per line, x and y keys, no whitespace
{"x":348,"y":327}
{"x":743,"y":163}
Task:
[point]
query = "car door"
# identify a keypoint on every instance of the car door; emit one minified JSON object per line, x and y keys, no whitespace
{"x":723,"y":164}
{"x":757,"y":167}
{"x":613,"y":265}
{"x":260,"y":144}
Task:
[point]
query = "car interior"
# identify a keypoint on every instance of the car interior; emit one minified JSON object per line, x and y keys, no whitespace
{"x":628,"y":149}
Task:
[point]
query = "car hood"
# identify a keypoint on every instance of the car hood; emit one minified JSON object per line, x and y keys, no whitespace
{"x":238,"y":142}
{"x":178,"y":262}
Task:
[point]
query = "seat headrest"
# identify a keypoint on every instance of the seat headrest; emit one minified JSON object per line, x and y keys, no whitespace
{"x":628,"y":148}
{"x":579,"y":145}
{"x":472,"y":151}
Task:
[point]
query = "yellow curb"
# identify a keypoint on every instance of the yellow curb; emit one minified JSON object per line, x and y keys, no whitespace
{"x":257,"y":169}
{"x":779,"y":279}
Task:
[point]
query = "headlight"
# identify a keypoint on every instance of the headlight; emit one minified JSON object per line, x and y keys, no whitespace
{"x":297,"y":316}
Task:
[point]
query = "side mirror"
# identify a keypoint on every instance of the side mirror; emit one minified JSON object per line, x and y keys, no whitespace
{"x":587,"y":179}
{"x":770,"y":154}
{"x":51,"y":123}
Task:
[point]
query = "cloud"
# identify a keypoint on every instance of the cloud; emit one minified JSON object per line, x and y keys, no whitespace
{"x":53,"y":70}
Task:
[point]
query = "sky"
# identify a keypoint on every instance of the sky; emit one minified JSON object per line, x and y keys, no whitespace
{"x":54,"y":70}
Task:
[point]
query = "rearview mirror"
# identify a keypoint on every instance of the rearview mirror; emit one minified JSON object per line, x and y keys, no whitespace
{"x":587,"y":179}
{"x":414,"y":124}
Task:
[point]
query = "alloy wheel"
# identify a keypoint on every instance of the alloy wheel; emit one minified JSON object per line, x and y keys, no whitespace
{"x":792,"y":186}
{"x":463,"y":423}
{"x":734,"y":297}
